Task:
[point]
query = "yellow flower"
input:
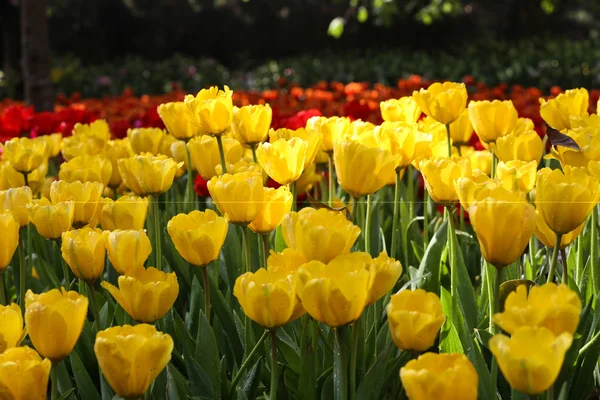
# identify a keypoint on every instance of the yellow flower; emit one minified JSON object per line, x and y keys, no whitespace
{"x":444,"y":102}
{"x":268,"y":298}
{"x":127,"y":212}
{"x":131,"y":357}
{"x":9,"y":239}
{"x":404,"y":109}
{"x":461,"y":130}
{"x":84,"y":250}
{"x":251,"y":123}
{"x":440,"y":377}
{"x":476,"y":187}
{"x":504,"y":222}
{"x":10,"y":177}
{"x":331,"y":130}
{"x":78,"y":145}
{"x":11,"y":327}
{"x":557,"y":112}
{"x":415,"y":318}
{"x":387,"y":273}
{"x":337,"y":293}
{"x":526,"y":146}
{"x":524,"y":125}
{"x":16,"y":200}
{"x":98,"y":131}
{"x":517,"y":175}
{"x":146,"y":140}
{"x":54,"y":321}
{"x":440,"y":174}
{"x":320,"y":235}
{"x":127,"y":249}
{"x":211,"y":109}
{"x":481,"y":160}
{"x":278,"y":202}
{"x":198,"y":236}
{"x":556,"y":308}
{"x":492,"y":119}
{"x":114,"y":151}
{"x":405,"y":142}
{"x":204,"y":152}
{"x":283,"y":159}
{"x":51,"y":220}
{"x":362,"y":170}
{"x":307,"y":180}
{"x":86,"y":169}
{"x":145,"y":294}
{"x":239,"y":196}
{"x":23,"y":374}
{"x":548,"y":238}
{"x":86,"y":198}
{"x":564,"y":200}
{"x":532,"y":358}
{"x":53,"y":143}
{"x":288,"y":260}
{"x":312,"y":138}
{"x":25,"y":154}
{"x":241,"y":167}
{"x":176,"y":117}
{"x":146,"y":174}
{"x":359,"y":127}
{"x":588,"y":140}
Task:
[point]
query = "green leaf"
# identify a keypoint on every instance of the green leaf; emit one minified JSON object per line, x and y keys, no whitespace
{"x":449,"y":339}
{"x":370,"y":386}
{"x":230,"y":261}
{"x":85,"y":384}
{"x":207,"y":353}
{"x":280,"y":244}
{"x":64,"y":380}
{"x":336,"y":27}
{"x":510,"y":286}
{"x":196,"y":304}
{"x":250,"y":381}
{"x":66,"y":395}
{"x":466,"y":294}
{"x":429,"y":269}
{"x":177,"y":387}
{"x":225,"y":316}
{"x":362,"y":14}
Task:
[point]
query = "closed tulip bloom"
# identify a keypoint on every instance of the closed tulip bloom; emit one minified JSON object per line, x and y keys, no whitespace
{"x":198,"y":236}
{"x":114,"y":151}
{"x":131,"y":357}
{"x":532,"y":358}
{"x":145,"y":294}
{"x":10,"y":177}
{"x":517,"y":175}
{"x":53,"y":143}
{"x":320,"y":235}
{"x":405,"y":142}
{"x":525,"y":147}
{"x":523,"y":125}
{"x":9,"y":239}
{"x":359,"y":127}
{"x":51,"y":220}
{"x":440,"y":174}
{"x":278,"y":202}
{"x":25,"y":154}
{"x":492,"y":119}
{"x":99,"y":131}
{"x":127,"y":249}
{"x":554,"y":307}
{"x":404,"y":109}
{"x":84,"y":251}
{"x":148,"y":175}
{"x":241,"y":167}
{"x":461,"y":130}
{"x":86,"y":169}
{"x":77,"y":145}
{"x":481,"y":160}
{"x":176,"y":117}
{"x":127,"y":212}
{"x":472,"y":188}
{"x":557,"y":112}
{"x":23,"y":374}
{"x":37,"y":178}
{"x":251,"y":123}
{"x":288,"y":260}
{"x":440,"y":377}
{"x":283,"y":159}
{"x":268,"y":298}
{"x":312,"y":138}
{"x":387,"y":273}
{"x":239,"y":196}
{"x":331,"y":130}
{"x":211,"y":110}
{"x":588,"y":140}
{"x":564,"y":200}
{"x":548,"y":237}
{"x":204,"y":152}
{"x":146,"y":140}
{"x":11,"y":327}
{"x":16,"y":200}
{"x":444,"y":102}
{"x":54,"y":321}
{"x":86,"y":198}
{"x":415,"y":318}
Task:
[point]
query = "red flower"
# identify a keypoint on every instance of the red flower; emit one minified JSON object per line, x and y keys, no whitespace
{"x":356,"y":109}
{"x":119,"y":128}
{"x":44,"y":123}
{"x":15,"y":121}
{"x":298,"y":120}
{"x":200,"y":186}
{"x":151,"y":119}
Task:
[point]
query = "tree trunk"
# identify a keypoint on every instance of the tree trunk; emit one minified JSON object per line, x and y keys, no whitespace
{"x":35,"y":49}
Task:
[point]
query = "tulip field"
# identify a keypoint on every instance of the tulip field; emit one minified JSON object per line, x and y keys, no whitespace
{"x":434,"y":240}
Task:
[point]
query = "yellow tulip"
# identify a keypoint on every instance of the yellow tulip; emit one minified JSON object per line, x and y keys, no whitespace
{"x":404,"y":109}
{"x":359,"y":127}
{"x":198,"y":236}
{"x":283,"y":159}
{"x":588,"y":140}
{"x":278,"y":202}
{"x":84,"y":250}
{"x":476,"y":187}
{"x":148,"y":175}
{"x":145,"y":294}
{"x":98,"y":131}
{"x":387,"y":272}
{"x":312,"y":138}
{"x":10,"y":177}
{"x":440,"y":175}
{"x":564,"y":200}
{"x":492,"y":119}
{"x":331,"y":130}
{"x":51,"y":220}
{"x":532,"y":358}
{"x":548,"y":238}
{"x":584,"y":121}
{"x":239,"y":196}
{"x":320,"y":235}
{"x":16,"y":200}
{"x":176,"y":117}
{"x":127,"y":249}
{"x":54,"y":321}
{"x":131,"y":357}
{"x":444,"y":102}
{"x":405,"y":142}
{"x":9,"y":239}
{"x":554,"y":307}
{"x":517,"y":174}
{"x":524,"y":125}
{"x":11,"y":327}
{"x":557,"y":112}
{"x":53,"y":143}
{"x":241,"y":167}
{"x":526,"y":146}
{"x":308,"y":179}
{"x":23,"y":374}
{"x":268,"y":298}
{"x":127,"y":212}
{"x":86,"y":198}
{"x":114,"y":151}
{"x":146,"y":140}
{"x":25,"y":154}
{"x":251,"y":123}
{"x":211,"y":110}
{"x":288,"y":260}
{"x":461,"y":130}
{"x":178,"y":152}
{"x":481,"y":160}
{"x":86,"y":169}
{"x":204,"y":152}
{"x":440,"y":377}
{"x":78,"y":145}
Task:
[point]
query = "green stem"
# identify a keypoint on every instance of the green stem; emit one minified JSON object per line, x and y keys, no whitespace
{"x":449,"y":139}
{"x":550,"y":393}
{"x":532,"y":255}
{"x":565,"y":274}
{"x":94,"y":304}
{"x":330,"y":180}
{"x":452,"y":257}
{"x":266,"y":248}
{"x":190,"y":182}
{"x":496,"y":308}
{"x":22,"y":271}
{"x":594,"y":250}
{"x":157,"y":238}
{"x":2,"y":290}
{"x":589,"y":344}
{"x":247,"y":254}
{"x":293,"y":190}
{"x":494,"y":162}
{"x":353,"y":356}
{"x":54,"y":390}
{"x":554,"y":258}
{"x":368,"y":226}
{"x":65,"y":267}
{"x":253,"y":148}
{"x":489,"y":279}
{"x":340,"y":367}
{"x":274,"y":366}
{"x":354,"y":215}
{"x":425,"y":219}
{"x":221,"y":154}
{"x":246,"y":361}
{"x":579,"y":263}
{"x":206,"y":292}
{"x":411,"y":191}
{"x":395,"y":220}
